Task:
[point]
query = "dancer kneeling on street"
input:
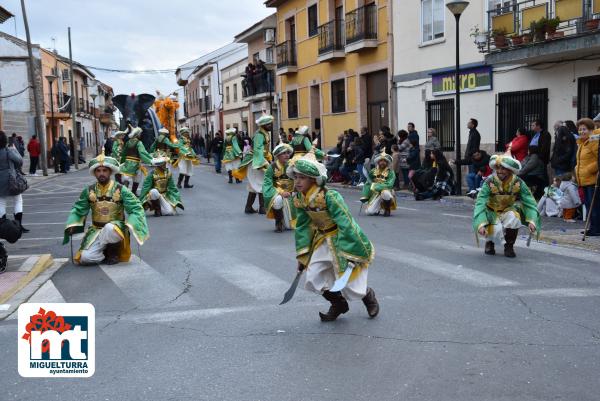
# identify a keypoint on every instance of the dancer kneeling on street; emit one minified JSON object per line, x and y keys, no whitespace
{"x":159,"y":192}
{"x":378,"y":192}
{"x":115,"y":211}
{"x":278,"y":188}
{"x":503,"y":205}
{"x":329,"y":241}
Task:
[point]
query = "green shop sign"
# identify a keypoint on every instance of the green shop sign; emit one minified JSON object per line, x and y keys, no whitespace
{"x":471,"y":80}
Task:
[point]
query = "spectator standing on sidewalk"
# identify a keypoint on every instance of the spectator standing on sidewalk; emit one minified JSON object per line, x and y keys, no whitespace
{"x":413,"y":135}
{"x":403,"y":151}
{"x":367,"y":142}
{"x":33,"y":147}
{"x":9,"y":159}
{"x":542,"y":140}
{"x":20,"y":146}
{"x":63,"y":155}
{"x":216,"y":148}
{"x":519,"y":146}
{"x":108,"y":145}
{"x":563,"y":151}
{"x":586,"y":172}
{"x":533,"y":172}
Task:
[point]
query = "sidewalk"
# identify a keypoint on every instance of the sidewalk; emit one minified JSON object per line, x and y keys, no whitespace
{"x":35,"y":180}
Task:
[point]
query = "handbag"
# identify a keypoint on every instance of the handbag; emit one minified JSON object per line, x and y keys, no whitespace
{"x":10,"y":230}
{"x":17,"y":183}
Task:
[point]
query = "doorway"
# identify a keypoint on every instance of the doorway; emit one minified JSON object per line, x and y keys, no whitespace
{"x":377,"y":101}
{"x":315,"y":108}
{"x":588,"y":97}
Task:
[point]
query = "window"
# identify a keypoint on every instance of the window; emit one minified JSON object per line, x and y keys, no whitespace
{"x":313,"y":23}
{"x":440,"y":116}
{"x":256,"y":57}
{"x":432,"y":19}
{"x":235,"y":92}
{"x":227,"y":94}
{"x":338,"y":96}
{"x":292,"y":103}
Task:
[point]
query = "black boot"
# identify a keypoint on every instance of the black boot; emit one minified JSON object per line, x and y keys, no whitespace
{"x":237,"y":181}
{"x":278,"y":220}
{"x":261,"y":204}
{"x":134,"y":188}
{"x":179,"y":181}
{"x":156,"y":207}
{"x":19,"y":218}
{"x":510,"y":236}
{"x":111,"y":254}
{"x":338,"y":306}
{"x":3,"y":258}
{"x":387,"y":205}
{"x":371,"y":303}
{"x":186,"y":182}
{"x":489,"y":248}
{"x":250,"y":202}
{"x":229,"y":173}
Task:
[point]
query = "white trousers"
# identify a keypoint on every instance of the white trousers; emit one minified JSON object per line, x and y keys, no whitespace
{"x":279,"y":203}
{"x":506,"y":220}
{"x":321,"y":274}
{"x":173,"y":170}
{"x":139,"y":177}
{"x":255,"y":179}
{"x":95,"y":252}
{"x":375,"y":206}
{"x":186,"y":167}
{"x":17,"y":201}
{"x":165,"y":207}
{"x":232,"y":165}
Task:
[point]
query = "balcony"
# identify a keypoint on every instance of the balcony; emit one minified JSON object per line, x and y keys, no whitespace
{"x":361,"y":28}
{"x":331,"y":40}
{"x":106,"y":118}
{"x":533,"y":32}
{"x":259,"y":86}
{"x":286,"y":58}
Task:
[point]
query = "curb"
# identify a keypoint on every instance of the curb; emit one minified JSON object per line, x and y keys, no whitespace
{"x":43,"y":263}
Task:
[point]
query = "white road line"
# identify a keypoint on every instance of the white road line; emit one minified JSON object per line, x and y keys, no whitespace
{"x":251,"y":279}
{"x":47,"y":293}
{"x":146,"y":287}
{"x":462,"y":216}
{"x":561,"y":292}
{"x":441,"y":268}
{"x":178,"y":316}
{"x":75,"y":237}
{"x":49,"y":204}
{"x":47,"y":212}
{"x":46,"y":195}
{"x":4,"y":306}
{"x":28,"y":264}
{"x":407,"y":208}
{"x":44,"y":224}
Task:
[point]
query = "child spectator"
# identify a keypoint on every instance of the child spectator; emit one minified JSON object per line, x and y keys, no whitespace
{"x":570,"y":201}
{"x":549,"y":204}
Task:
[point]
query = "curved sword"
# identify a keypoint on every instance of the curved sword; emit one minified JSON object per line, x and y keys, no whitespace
{"x":341,"y":282}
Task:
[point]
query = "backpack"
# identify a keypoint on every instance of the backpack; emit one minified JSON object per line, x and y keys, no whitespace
{"x":10,"y":230}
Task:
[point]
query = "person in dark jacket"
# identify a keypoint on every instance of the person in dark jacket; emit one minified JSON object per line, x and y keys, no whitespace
{"x":359,"y":159}
{"x":108,"y":145}
{"x":480,"y":161}
{"x":443,"y":178}
{"x":63,"y":155}
{"x":542,"y":140}
{"x":216,"y":149}
{"x":474,"y":139}
{"x":563,"y":151}
{"x":533,"y":172}
{"x":367,"y":141}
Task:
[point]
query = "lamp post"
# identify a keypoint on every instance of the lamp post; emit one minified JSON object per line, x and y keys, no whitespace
{"x":457,"y":7}
{"x":205,"y":90}
{"x":93,"y":96}
{"x":51,"y":79}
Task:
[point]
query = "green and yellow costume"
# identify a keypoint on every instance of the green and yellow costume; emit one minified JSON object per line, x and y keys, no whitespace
{"x":232,"y":148}
{"x":163,"y":144}
{"x":133,"y":154}
{"x":260,"y":156}
{"x":302,"y":145}
{"x":161,"y":180}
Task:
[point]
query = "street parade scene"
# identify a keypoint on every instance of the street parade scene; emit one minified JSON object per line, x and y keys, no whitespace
{"x":300,"y":200}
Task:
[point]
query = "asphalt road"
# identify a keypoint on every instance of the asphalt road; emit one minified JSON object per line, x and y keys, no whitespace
{"x":197,"y":318}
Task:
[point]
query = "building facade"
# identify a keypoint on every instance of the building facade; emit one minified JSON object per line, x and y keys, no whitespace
{"x":333,"y":64}
{"x":235,"y":109}
{"x":259,"y":88}
{"x":509,"y":76}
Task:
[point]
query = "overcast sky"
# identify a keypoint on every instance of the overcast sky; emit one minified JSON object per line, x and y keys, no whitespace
{"x":135,"y":34}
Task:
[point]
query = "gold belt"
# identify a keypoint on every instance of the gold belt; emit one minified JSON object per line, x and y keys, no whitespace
{"x":133,"y":158}
{"x":327,"y":230}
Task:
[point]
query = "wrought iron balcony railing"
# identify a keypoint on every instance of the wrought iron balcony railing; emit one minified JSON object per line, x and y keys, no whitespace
{"x":331,"y":36}
{"x":286,"y":54}
{"x":361,"y":24}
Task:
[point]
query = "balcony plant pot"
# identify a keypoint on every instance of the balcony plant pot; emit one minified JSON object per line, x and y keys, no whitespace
{"x":592,"y":24}
{"x":558,"y":35}
{"x":517,"y":40}
{"x":551,"y":25}
{"x":526,"y":39}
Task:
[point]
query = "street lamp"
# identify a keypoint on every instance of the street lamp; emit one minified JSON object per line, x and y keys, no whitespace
{"x":457,"y":7}
{"x":93,"y":96}
{"x":205,"y":89}
{"x":51,"y":79}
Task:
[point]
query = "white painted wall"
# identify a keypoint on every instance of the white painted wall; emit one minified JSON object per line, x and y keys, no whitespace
{"x":13,"y":78}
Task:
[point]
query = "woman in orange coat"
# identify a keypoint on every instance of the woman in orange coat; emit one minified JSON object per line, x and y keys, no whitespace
{"x":587,"y":172}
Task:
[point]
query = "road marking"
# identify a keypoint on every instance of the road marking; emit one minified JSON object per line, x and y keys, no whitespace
{"x":40,"y":239}
{"x":440,"y":268}
{"x":49,"y":204}
{"x":49,"y":212}
{"x":4,"y":306}
{"x":146,"y":287}
{"x":46,"y":195}
{"x":462,"y":216}
{"x":561,"y":292}
{"x":47,"y":293}
{"x":250,"y":278}
{"x":178,"y":316}
{"x":44,"y":224}
{"x":407,"y":208}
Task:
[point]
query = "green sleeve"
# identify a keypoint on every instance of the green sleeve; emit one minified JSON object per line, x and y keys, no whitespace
{"x":258,"y":157}
{"x":236,"y":147}
{"x":136,"y":218}
{"x":303,"y":235}
{"x":173,"y":192}
{"x":115,"y":151}
{"x":388,"y":184}
{"x":529,"y":205}
{"x":144,"y":155}
{"x":79,"y":212}
{"x":268,"y":188}
{"x":153,"y":147}
{"x":351,"y":243}
{"x":480,"y":215}
{"x":320,"y":155}
{"x":146,"y":187}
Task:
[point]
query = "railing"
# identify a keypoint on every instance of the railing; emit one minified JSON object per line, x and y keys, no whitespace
{"x":536,"y":21}
{"x":361,"y":24}
{"x":261,"y":82}
{"x":286,"y":54}
{"x":331,"y":36}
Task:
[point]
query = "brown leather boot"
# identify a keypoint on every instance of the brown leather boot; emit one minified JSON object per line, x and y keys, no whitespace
{"x":261,"y":204}
{"x":338,"y":306}
{"x":111,"y":254}
{"x":229,"y":173}
{"x":156,"y":208}
{"x":489,"y":248}
{"x":387,"y":205}
{"x":278,"y":220}
{"x":249,"y":203}
{"x":510,"y":236}
{"x":371,"y":303}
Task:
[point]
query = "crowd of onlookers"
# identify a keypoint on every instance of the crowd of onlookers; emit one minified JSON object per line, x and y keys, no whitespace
{"x":257,"y":79}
